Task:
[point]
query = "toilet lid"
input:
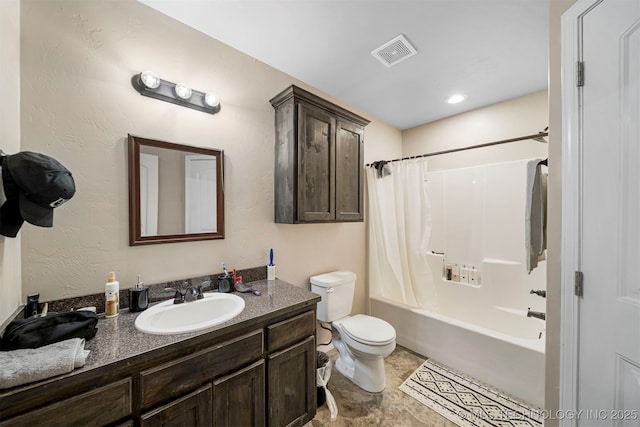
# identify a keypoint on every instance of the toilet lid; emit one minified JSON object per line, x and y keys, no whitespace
{"x":368,"y":330}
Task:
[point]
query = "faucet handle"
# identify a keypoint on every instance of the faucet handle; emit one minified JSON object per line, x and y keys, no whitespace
{"x":199,"y":290}
{"x":178,"y":298}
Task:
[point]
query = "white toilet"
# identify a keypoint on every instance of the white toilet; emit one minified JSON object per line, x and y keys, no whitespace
{"x":362,"y":341}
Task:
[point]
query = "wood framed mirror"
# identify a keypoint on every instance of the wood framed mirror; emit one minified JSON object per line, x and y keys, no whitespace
{"x":176,"y":192}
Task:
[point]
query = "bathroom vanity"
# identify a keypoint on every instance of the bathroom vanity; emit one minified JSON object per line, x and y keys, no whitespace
{"x":256,"y":369}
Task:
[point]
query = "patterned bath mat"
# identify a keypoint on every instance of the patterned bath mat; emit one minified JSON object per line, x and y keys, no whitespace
{"x":465,"y":402}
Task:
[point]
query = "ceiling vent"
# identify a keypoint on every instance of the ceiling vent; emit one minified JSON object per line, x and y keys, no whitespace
{"x":394,"y":52}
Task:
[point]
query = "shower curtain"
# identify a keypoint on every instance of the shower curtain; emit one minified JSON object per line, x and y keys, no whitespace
{"x":399,"y":230}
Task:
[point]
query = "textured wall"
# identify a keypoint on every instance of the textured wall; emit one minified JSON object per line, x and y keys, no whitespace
{"x":10,"y":272}
{"x":516,"y":117}
{"x":78,"y":106}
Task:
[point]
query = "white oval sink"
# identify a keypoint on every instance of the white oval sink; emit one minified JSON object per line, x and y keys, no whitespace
{"x":167,"y":318}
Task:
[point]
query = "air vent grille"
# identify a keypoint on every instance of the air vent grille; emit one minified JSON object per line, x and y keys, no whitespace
{"x":395,"y":51}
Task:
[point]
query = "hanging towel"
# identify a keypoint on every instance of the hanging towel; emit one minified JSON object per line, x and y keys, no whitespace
{"x":535,"y":214}
{"x":24,"y":366}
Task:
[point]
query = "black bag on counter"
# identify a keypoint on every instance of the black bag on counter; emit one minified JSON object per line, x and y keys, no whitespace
{"x":35,"y":332}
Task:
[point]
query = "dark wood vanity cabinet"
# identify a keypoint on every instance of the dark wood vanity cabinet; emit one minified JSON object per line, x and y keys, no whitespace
{"x":194,"y":409}
{"x":239,"y":398}
{"x":319,"y":174}
{"x":260,"y":375}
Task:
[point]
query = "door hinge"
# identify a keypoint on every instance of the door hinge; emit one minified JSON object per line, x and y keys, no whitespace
{"x":579,"y":74}
{"x":578,"y":288}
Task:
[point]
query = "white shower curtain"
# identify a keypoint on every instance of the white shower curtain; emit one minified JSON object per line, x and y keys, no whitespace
{"x":399,"y":230}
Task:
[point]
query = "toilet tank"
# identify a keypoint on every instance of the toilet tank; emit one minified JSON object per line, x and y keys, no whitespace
{"x":336,"y":289}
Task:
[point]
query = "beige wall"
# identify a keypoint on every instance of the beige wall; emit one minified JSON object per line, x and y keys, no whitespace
{"x":10,"y":271}
{"x":554,"y":229}
{"x":78,"y":106}
{"x":516,"y":117}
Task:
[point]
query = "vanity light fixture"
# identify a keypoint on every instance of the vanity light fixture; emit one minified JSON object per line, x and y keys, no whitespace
{"x":149,"y":84}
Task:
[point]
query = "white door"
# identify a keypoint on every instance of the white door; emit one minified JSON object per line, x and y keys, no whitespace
{"x":148,"y":195}
{"x":201,"y":204}
{"x":609,"y":246}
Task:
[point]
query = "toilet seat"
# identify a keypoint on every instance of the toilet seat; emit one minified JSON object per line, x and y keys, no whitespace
{"x":367,"y":330}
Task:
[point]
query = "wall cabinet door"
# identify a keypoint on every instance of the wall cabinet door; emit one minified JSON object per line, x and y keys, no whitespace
{"x":349,"y":171}
{"x":193,"y":410}
{"x":316,"y":159}
{"x":292,"y":387}
{"x":239,"y":398}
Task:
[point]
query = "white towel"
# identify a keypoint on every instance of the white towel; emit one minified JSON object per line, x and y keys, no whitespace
{"x":535,"y":214}
{"x":24,"y":366}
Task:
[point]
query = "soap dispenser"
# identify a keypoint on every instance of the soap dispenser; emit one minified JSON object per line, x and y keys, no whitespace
{"x":138,"y":296}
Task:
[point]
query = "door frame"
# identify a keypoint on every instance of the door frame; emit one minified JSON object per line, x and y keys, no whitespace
{"x":572,"y":142}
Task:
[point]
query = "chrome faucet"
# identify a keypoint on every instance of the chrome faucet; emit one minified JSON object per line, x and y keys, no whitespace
{"x":192,"y":293}
{"x":536,"y":314}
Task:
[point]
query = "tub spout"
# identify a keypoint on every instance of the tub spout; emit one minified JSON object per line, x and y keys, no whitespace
{"x":536,"y":314}
{"x":540,"y":293}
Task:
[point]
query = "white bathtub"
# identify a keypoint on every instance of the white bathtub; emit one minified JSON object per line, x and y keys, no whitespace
{"x":501,"y":348}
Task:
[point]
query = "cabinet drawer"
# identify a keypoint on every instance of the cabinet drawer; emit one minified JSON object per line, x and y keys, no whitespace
{"x":290,"y":331}
{"x":101,"y":406}
{"x":172,"y":379}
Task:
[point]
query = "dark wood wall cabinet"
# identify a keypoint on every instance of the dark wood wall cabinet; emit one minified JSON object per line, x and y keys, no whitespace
{"x":260,"y":374}
{"x":319,"y":164}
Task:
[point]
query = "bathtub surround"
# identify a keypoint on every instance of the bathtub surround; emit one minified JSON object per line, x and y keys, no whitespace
{"x":465,"y":401}
{"x":461,"y":217}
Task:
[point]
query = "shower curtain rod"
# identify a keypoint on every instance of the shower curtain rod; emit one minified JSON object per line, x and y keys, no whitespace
{"x":536,"y":137}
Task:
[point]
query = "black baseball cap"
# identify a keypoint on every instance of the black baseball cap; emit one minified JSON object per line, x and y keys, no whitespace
{"x":34,"y":184}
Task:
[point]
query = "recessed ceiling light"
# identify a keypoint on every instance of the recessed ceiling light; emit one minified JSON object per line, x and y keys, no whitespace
{"x":455,"y":99}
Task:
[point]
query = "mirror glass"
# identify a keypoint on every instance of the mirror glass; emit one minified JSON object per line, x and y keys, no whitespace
{"x":175,"y":192}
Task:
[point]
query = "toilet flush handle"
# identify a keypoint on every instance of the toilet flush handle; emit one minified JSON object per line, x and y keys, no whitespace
{"x":329,"y":290}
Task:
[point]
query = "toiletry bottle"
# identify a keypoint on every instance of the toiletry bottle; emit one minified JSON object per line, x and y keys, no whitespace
{"x":464,"y":274}
{"x":455,"y":276}
{"x":33,"y":306}
{"x":473,"y":275}
{"x":112,"y":296}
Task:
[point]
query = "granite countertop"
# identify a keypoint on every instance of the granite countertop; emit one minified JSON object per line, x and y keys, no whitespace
{"x":118,"y":339}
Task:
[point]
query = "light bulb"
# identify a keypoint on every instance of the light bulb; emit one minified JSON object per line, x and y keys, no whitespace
{"x":183,"y":91}
{"x":211,"y":99}
{"x":149,"y":79}
{"x":455,"y":99}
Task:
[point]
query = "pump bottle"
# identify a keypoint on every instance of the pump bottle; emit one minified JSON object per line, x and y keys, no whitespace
{"x":112,"y":296}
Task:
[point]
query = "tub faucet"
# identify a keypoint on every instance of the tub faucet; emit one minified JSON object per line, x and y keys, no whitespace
{"x":536,"y":314}
{"x":540,"y":293}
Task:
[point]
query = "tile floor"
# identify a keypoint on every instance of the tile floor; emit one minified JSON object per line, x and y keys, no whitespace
{"x":392,"y":407}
